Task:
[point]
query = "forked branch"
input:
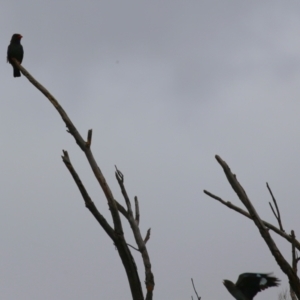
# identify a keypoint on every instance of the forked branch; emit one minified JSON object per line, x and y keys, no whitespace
{"x":246,"y":214}
{"x":134,"y":223}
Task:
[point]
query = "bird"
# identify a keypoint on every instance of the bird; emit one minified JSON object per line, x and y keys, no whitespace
{"x":15,"y":50}
{"x":249,"y":284}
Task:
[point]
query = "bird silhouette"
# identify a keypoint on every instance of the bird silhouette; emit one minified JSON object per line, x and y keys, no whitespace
{"x":249,"y":284}
{"x":15,"y":50}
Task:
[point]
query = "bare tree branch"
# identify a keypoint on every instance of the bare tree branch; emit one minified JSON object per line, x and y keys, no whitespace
{"x":89,"y":138}
{"x":119,"y":239}
{"x":136,"y":249}
{"x":198,"y":298}
{"x":294,"y":263}
{"x":81,"y":143}
{"x":122,"y":209}
{"x":138,"y":237}
{"x":87,"y":199}
{"x":147,"y":237}
{"x":277,"y":213}
{"x":137,"y":210}
{"x":294,"y":252}
{"x":246,"y":214}
{"x":120,"y":179}
{"x":284,"y":265}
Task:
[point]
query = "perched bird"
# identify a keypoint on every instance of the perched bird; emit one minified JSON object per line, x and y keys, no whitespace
{"x":15,"y":50}
{"x":249,"y":284}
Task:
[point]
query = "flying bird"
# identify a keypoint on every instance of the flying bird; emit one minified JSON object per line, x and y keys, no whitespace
{"x":249,"y":284}
{"x":15,"y":50}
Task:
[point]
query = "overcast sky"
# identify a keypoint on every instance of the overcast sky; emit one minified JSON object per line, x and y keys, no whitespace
{"x":165,"y":85}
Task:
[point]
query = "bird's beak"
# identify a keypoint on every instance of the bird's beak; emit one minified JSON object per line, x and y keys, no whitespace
{"x":20,"y":36}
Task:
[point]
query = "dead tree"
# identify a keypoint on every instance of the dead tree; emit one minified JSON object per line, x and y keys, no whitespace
{"x":265,"y":227}
{"x":115,"y":231}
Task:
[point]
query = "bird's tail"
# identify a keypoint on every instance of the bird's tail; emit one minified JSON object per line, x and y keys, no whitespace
{"x":17,"y":72}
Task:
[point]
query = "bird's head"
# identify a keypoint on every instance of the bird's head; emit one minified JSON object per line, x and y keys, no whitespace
{"x":16,"y":37}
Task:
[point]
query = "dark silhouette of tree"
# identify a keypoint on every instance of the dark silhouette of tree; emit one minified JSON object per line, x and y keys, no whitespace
{"x":114,"y":231}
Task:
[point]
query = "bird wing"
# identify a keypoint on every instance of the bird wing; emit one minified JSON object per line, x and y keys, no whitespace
{"x":252,"y":283}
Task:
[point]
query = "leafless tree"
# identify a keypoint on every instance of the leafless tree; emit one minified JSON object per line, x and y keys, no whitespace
{"x":132,"y":216}
{"x":264,"y":228}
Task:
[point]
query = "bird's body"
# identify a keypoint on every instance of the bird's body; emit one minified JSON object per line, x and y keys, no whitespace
{"x":15,"y":50}
{"x":249,"y":284}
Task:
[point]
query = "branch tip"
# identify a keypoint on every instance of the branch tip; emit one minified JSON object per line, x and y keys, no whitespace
{"x":277,"y":213}
{"x":137,"y":210}
{"x":199,"y":298}
{"x":89,"y":138}
{"x":119,"y":175}
{"x":147,"y":236}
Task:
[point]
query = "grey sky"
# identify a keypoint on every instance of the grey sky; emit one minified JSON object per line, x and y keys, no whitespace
{"x":165,"y":85}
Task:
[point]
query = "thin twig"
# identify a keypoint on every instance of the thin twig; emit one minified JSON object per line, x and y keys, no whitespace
{"x":136,"y":249}
{"x":120,"y":179}
{"x":147,"y":237}
{"x":122,"y":209}
{"x":246,"y":214}
{"x":89,"y":138}
{"x":277,"y":213}
{"x":137,"y":210}
{"x":199,"y":298}
{"x":87,"y":199}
